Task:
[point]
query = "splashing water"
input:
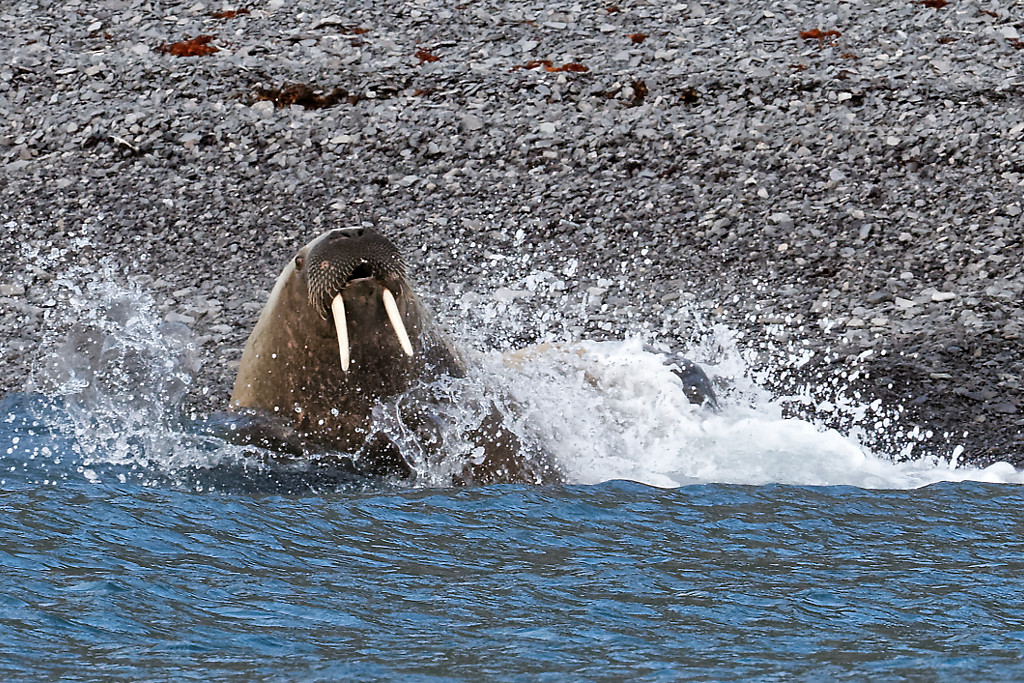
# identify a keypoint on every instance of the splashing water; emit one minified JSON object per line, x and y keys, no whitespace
{"x":604,"y":410}
{"x":119,"y":377}
{"x":610,"y":410}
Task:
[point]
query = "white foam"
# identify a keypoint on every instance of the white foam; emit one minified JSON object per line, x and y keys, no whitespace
{"x":615,"y":411}
{"x":606,"y":410}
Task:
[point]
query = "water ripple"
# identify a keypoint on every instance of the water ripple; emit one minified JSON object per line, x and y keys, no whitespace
{"x":127,"y":576}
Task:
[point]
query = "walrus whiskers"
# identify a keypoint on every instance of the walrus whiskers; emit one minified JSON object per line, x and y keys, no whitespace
{"x":338,"y":308}
{"x":396,"y":321}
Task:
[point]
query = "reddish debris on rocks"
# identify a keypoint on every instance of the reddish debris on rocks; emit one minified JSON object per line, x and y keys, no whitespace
{"x":819,"y":35}
{"x":637,"y":38}
{"x":611,"y":9}
{"x":197,"y":47}
{"x":935,"y":4}
{"x":425,"y":56}
{"x":550,"y":66}
{"x":689,"y":96}
{"x":533,"y":64}
{"x":304,"y":96}
{"x":228,"y":14}
{"x":639,"y":94}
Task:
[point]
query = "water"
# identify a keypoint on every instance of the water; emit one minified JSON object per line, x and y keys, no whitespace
{"x":744,"y":545}
{"x":123,"y":581}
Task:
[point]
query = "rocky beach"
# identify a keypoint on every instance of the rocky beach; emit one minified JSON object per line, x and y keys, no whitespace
{"x":837,"y":186}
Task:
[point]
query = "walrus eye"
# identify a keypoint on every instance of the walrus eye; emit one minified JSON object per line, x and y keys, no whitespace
{"x":299,"y":262}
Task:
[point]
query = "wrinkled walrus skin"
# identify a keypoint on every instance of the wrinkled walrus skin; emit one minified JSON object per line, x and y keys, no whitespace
{"x":292,"y":378}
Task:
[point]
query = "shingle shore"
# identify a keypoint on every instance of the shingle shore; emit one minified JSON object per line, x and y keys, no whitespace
{"x":856,"y":195}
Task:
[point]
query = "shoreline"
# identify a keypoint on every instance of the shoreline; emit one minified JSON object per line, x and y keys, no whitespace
{"x":808,"y":194}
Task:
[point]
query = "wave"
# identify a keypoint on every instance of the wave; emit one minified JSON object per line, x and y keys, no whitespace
{"x":604,"y":410}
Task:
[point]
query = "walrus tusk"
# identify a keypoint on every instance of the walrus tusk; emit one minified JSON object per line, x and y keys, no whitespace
{"x":338,"y":308}
{"x":396,"y":321}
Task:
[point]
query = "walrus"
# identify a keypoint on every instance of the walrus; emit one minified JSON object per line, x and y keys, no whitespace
{"x":342,"y":333}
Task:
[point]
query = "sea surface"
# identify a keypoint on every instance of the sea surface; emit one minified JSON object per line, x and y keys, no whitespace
{"x":111,"y":576}
{"x":686,"y":544}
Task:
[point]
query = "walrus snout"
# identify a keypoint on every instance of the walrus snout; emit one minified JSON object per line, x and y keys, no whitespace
{"x":346,"y":255}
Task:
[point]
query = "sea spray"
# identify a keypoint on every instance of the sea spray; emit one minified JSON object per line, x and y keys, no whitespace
{"x":604,"y":410}
{"x":611,"y":410}
{"x":119,"y":374}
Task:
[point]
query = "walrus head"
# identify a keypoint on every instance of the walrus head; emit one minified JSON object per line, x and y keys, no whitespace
{"x":342,"y":330}
{"x":359,"y":264}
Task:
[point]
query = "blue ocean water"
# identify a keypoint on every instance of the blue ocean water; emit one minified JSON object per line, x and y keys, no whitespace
{"x":738,"y":545}
{"x":119,"y":571}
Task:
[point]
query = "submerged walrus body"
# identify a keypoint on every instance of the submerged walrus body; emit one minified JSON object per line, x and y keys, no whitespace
{"x":341,"y":333}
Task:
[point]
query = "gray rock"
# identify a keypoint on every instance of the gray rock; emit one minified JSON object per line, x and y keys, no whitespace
{"x":883,"y":177}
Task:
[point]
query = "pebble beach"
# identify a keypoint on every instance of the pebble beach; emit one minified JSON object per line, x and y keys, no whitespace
{"x":840,"y":186}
